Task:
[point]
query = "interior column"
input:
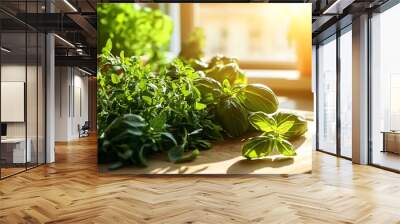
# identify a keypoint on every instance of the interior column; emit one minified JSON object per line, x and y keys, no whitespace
{"x":360,"y":90}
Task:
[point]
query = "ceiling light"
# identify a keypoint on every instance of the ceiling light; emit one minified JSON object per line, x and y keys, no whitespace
{"x":337,"y":7}
{"x":65,"y":41}
{"x":70,"y":5}
{"x":5,"y":50}
{"x":79,"y":51}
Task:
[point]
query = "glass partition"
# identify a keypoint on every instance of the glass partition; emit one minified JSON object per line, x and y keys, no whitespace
{"x":22,"y":88}
{"x":327,"y":95}
{"x":14,"y":144}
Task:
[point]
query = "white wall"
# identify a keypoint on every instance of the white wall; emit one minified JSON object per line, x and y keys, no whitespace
{"x":11,"y":73}
{"x":33,"y":126}
{"x":70,"y":83}
{"x":62,"y":82}
{"x":79,"y":117}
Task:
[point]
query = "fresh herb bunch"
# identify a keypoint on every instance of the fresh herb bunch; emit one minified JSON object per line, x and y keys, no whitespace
{"x":276,"y":130}
{"x":141,"y":112}
{"x":240,"y":106}
{"x":136,"y":30}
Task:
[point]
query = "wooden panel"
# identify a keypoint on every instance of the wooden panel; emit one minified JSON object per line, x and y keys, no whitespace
{"x":392,"y":142}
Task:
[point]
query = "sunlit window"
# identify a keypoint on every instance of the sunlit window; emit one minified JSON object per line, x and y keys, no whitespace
{"x":385,"y":88}
{"x":273,"y":34}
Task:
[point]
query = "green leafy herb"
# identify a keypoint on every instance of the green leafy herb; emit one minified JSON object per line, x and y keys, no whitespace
{"x":176,"y":155}
{"x":210,"y":90}
{"x":267,"y":145}
{"x":262,"y":122}
{"x":298,"y":128}
{"x":258,"y":97}
{"x":141,"y":112}
{"x":135,"y":30}
{"x":258,"y":147}
{"x":232,"y":116}
{"x":273,"y":140}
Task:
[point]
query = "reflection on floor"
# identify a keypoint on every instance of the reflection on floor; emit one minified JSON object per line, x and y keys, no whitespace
{"x":386,"y":159}
{"x":10,"y":171}
{"x":13,"y":169}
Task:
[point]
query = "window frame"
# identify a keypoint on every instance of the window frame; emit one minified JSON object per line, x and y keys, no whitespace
{"x":333,"y":37}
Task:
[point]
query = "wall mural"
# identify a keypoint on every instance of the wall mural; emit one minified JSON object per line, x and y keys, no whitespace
{"x":178,"y":97}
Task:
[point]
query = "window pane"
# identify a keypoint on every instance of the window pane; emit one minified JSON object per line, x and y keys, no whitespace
{"x":327,"y":96}
{"x":386,"y":89}
{"x":346,"y":94}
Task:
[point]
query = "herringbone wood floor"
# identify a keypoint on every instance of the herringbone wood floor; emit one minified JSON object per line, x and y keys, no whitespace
{"x":72,"y":191}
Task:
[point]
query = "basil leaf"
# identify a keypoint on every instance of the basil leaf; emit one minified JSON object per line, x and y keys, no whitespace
{"x":177,"y":155}
{"x":258,"y":147}
{"x":142,"y":158}
{"x":169,"y":136}
{"x":126,"y":154}
{"x":226,"y":84}
{"x":200,"y":106}
{"x":108,"y":47}
{"x":298,"y":128}
{"x":115,"y":78}
{"x":262,"y":122}
{"x":147,"y":99}
{"x":285,"y":147}
{"x":158,"y":123}
{"x":284,"y":127}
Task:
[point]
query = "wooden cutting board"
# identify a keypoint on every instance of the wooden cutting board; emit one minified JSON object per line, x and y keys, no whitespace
{"x":225,"y":158}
